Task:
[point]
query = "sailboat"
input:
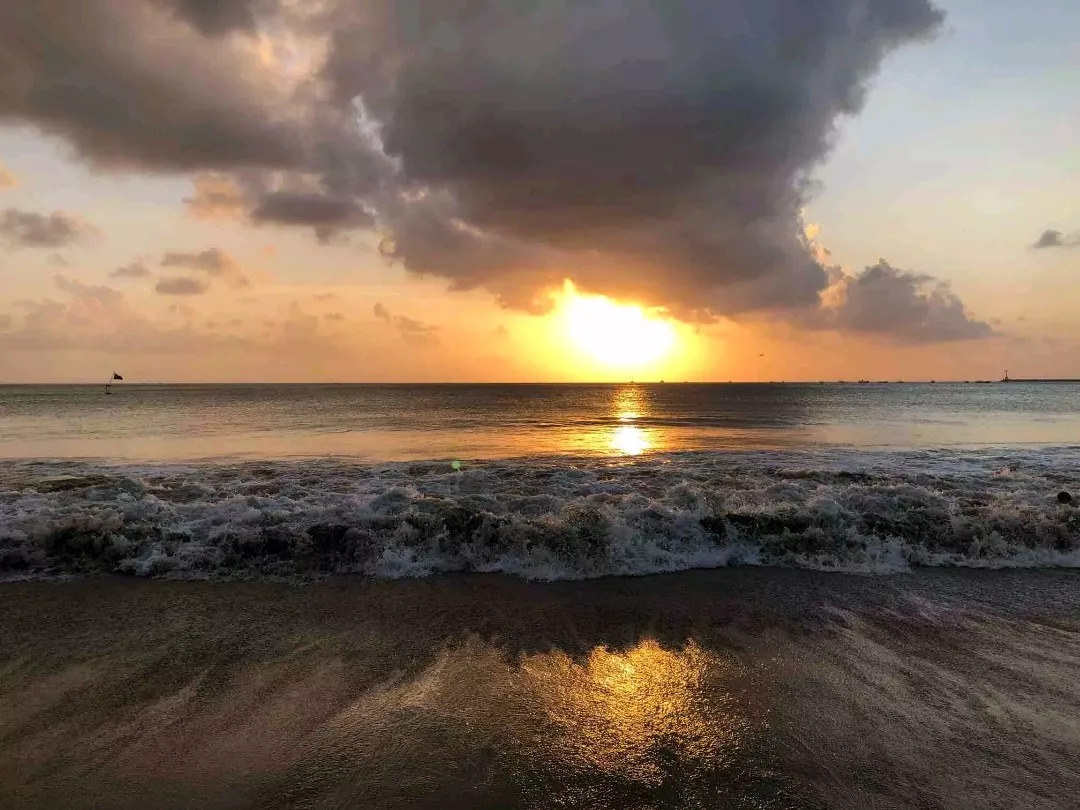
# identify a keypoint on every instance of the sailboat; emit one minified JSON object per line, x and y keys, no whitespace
{"x":112,"y":379}
{"x":1006,"y":377}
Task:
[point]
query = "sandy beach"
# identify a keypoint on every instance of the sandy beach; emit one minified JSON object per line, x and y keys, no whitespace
{"x":730,"y":688}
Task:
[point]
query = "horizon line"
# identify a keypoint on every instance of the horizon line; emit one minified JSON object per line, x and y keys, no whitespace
{"x":556,"y":382}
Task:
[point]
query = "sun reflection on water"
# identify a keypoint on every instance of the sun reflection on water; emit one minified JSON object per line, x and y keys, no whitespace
{"x":630,"y":441}
{"x":629,"y":405}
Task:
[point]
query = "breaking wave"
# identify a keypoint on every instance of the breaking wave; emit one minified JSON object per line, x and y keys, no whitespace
{"x":568,"y":518}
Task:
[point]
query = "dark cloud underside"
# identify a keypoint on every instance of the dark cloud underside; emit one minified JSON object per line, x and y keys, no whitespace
{"x":327,"y":215}
{"x":653,"y":149}
{"x":218,"y":16}
{"x":128,"y":84}
{"x":658,"y":149}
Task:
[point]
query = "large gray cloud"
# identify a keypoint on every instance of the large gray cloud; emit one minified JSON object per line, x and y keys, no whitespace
{"x":129,"y":83}
{"x":654,"y":149}
{"x":912,"y":307}
{"x":30,"y":229}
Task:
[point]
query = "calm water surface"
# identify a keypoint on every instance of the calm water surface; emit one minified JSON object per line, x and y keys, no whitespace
{"x":404,"y":422}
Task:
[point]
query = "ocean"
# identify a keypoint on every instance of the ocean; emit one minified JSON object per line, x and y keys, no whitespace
{"x":539,"y":481}
{"x":642,"y":595}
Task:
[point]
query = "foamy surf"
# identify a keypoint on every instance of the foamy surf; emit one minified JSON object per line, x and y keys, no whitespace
{"x":546,"y":519}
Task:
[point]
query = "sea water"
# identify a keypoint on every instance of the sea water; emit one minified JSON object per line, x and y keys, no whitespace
{"x":538,"y":481}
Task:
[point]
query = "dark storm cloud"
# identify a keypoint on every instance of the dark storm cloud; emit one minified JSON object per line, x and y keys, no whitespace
{"x":327,"y":215}
{"x":215,"y":17}
{"x":1055,"y":239}
{"x":652,"y":149}
{"x":129,"y":84}
{"x":29,"y":229}
{"x":907,"y":306}
{"x":182,"y":285}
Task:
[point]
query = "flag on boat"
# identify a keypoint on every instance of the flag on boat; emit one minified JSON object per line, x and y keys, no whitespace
{"x":116,"y":376}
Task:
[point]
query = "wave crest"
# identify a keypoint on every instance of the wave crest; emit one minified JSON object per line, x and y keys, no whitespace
{"x":543,"y":519}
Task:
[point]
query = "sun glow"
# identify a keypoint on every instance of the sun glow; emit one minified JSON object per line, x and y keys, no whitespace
{"x":630,"y":441}
{"x":622,"y":336}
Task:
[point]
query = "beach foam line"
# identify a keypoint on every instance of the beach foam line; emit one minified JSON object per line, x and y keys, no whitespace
{"x":545,"y":518}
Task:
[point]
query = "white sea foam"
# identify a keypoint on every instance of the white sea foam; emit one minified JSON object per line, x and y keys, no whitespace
{"x":549,"y":518}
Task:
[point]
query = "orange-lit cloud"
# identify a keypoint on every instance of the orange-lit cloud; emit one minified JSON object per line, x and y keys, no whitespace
{"x":217,"y":196}
{"x":7,"y":179}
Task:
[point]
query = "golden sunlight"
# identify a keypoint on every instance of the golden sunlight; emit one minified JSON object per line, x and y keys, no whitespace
{"x":630,"y":404}
{"x":622,"y":336}
{"x":630,"y":441}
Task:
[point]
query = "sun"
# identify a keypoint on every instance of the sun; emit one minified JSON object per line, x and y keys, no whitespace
{"x":622,"y":336}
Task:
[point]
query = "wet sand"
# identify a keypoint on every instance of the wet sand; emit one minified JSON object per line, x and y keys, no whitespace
{"x":739,"y":688}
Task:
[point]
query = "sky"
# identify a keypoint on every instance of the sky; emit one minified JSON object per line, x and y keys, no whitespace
{"x":555,"y":190}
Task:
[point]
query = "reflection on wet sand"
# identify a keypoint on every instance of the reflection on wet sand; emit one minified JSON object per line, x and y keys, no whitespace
{"x":630,"y":715}
{"x":724,"y":689}
{"x":561,"y":731}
